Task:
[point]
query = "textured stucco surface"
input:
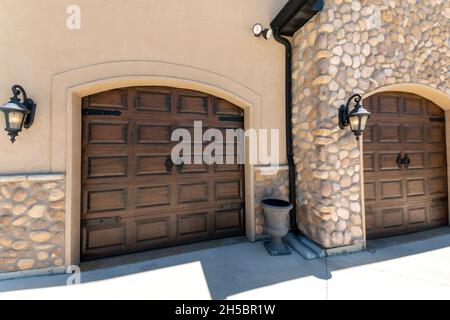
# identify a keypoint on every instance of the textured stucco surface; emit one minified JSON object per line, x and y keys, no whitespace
{"x":355,"y":47}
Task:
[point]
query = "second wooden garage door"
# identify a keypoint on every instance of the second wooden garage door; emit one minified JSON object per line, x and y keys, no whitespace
{"x":133,"y":197}
{"x":405,"y":165}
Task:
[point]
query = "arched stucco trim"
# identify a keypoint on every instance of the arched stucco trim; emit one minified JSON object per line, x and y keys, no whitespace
{"x":68,"y":89}
{"x":437,"y":96}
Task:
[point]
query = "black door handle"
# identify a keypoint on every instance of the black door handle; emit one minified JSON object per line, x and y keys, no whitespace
{"x":400,"y":161}
{"x":180,"y":166}
{"x":407,"y":161}
{"x":169,"y":164}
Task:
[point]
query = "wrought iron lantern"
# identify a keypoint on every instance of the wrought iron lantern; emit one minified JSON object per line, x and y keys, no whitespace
{"x":357,"y":118}
{"x":18,"y":113}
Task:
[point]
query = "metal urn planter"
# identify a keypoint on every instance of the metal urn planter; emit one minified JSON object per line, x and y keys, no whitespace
{"x":276,"y":213}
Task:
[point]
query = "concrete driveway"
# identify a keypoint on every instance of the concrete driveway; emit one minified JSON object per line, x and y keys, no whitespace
{"x":407,"y":267}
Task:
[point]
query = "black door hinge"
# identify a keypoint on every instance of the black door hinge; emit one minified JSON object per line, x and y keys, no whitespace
{"x":232,"y":119}
{"x":101,"y":112}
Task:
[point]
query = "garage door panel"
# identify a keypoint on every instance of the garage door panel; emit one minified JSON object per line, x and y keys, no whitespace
{"x":369,"y":134}
{"x":439,"y":213}
{"x":153,"y":101}
{"x":417,"y":160}
{"x":409,"y":198}
{"x":229,"y":221}
{"x":153,"y":196}
{"x":107,"y":133}
{"x":193,"y":192}
{"x":389,"y":105}
{"x":436,"y":134}
{"x":153,"y":231}
{"x":413,"y":134}
{"x":107,"y":166}
{"x":438,"y":185}
{"x":105,"y":200}
{"x":370,"y":190}
{"x":225,"y":108}
{"x":103,"y":240}
{"x":388,"y":161}
{"x":437,"y":160}
{"x":192,"y":105}
{"x":416,"y":187}
{"x":369,"y":161}
{"x":153,"y":134}
{"x":152,"y":164}
{"x":193,"y":225}
{"x":388,"y":133}
{"x":228,"y":189}
{"x":392,"y":218}
{"x":115,"y":99}
{"x":417,"y":215}
{"x":413,"y":106}
{"x":391,"y":189}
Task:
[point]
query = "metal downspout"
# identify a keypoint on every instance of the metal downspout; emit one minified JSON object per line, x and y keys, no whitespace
{"x":289,"y":136}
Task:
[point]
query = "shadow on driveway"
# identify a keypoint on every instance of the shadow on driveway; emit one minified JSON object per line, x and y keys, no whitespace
{"x":234,"y":266}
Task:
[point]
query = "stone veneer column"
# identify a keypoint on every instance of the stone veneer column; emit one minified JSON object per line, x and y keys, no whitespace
{"x":32,"y":222}
{"x":355,"y":47}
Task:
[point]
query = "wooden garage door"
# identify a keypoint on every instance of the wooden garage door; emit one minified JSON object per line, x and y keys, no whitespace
{"x":412,"y":196}
{"x":133,"y":199}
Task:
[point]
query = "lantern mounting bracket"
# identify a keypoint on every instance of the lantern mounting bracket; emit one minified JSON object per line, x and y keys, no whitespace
{"x":27,"y":102}
{"x":344,"y":121}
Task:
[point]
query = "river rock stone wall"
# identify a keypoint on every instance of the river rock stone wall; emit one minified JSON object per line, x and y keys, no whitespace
{"x":355,"y":47}
{"x":269,"y":183}
{"x":32,"y":222}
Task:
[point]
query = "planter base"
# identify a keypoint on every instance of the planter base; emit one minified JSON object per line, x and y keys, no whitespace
{"x":277,"y":249}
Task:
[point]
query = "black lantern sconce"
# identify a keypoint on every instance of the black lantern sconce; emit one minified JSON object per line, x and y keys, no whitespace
{"x":357,"y":118}
{"x":18,"y":113}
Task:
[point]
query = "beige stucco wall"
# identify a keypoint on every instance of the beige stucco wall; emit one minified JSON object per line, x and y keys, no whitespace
{"x":206,"y":35}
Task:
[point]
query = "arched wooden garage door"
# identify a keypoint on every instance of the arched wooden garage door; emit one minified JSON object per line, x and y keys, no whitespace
{"x":133,"y":197}
{"x":405,"y":165}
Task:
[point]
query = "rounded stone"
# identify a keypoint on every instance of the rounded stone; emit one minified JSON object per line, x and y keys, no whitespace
{"x":18,"y":210}
{"x":57,"y":205}
{"x":25,"y":264}
{"x":347,"y":60}
{"x":57,"y":216}
{"x":20,"y":221}
{"x":42,"y":256}
{"x":343,"y":213}
{"x":337,"y":238}
{"x":341,"y":226}
{"x":40,"y":236}
{"x":37,"y":211}
{"x":20,"y":195}
{"x":346,"y":181}
{"x":326,"y":189}
{"x":357,"y":232}
{"x":355,"y":207}
{"x":21,"y":245}
{"x":356,"y":6}
{"x":356,"y":220}
{"x":56,"y":195}
{"x":58,"y":262}
{"x":4,"y":242}
{"x":6,"y":193}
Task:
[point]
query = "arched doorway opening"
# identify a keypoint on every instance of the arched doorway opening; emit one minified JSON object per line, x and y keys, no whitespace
{"x":405,"y":165}
{"x":134,"y":197}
